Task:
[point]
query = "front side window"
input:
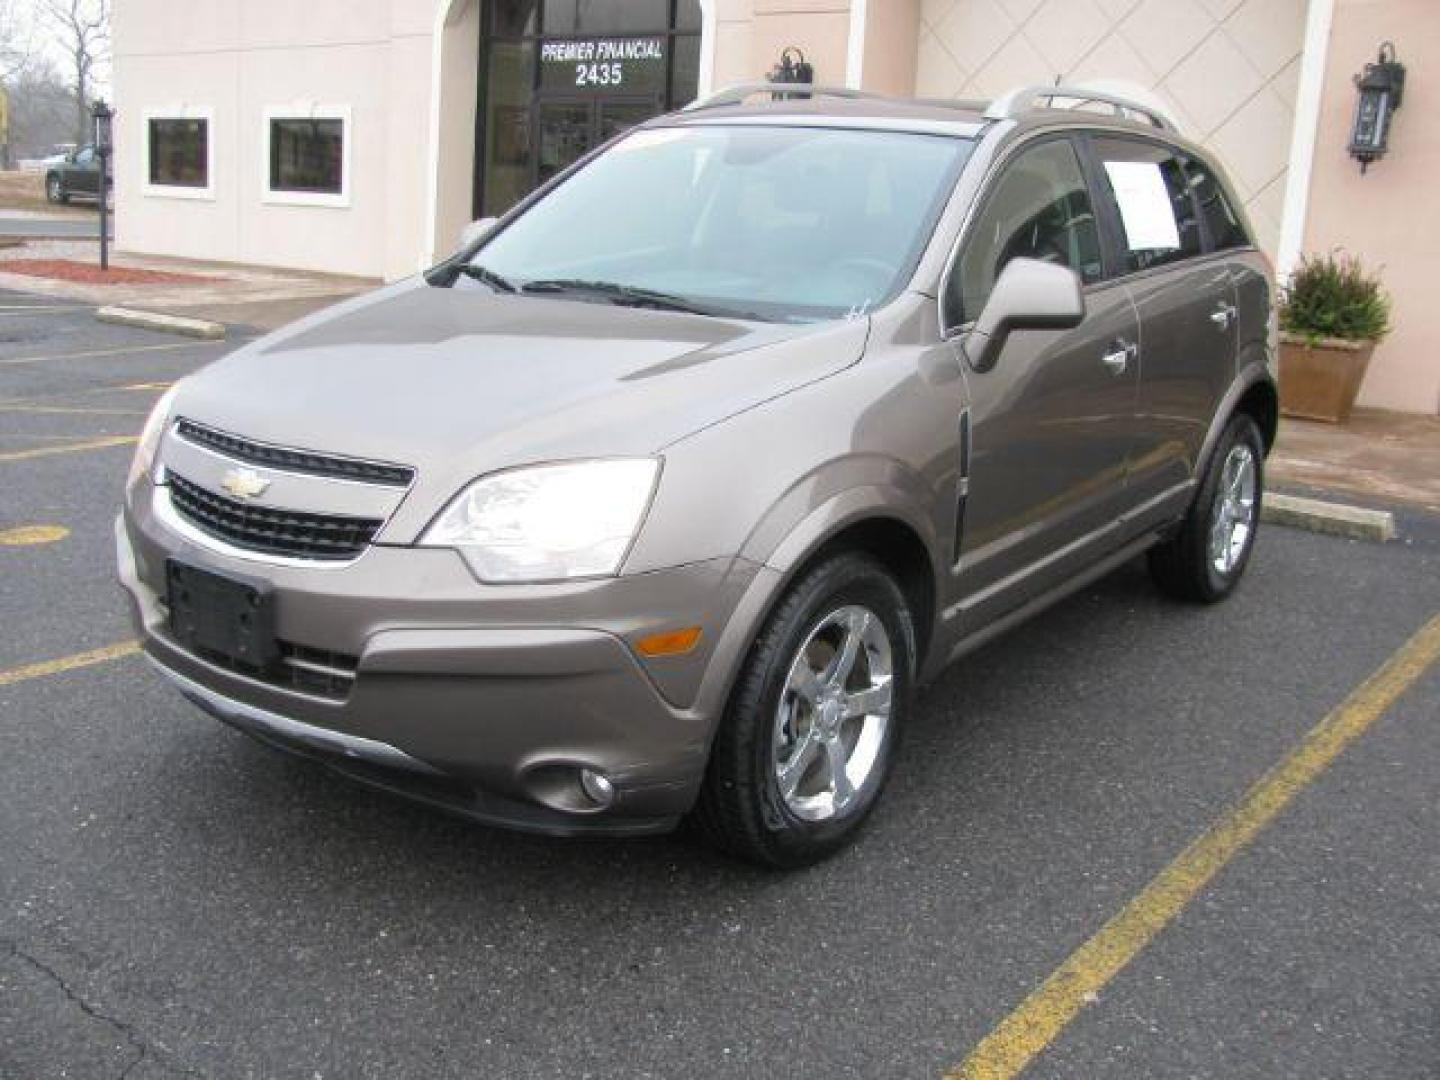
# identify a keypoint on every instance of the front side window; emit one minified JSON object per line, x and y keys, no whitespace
{"x":1039,"y":209}
{"x":307,"y":156}
{"x":85,"y":156}
{"x":1221,"y":220}
{"x":779,"y":222}
{"x":179,"y":152}
{"x":1149,"y":189}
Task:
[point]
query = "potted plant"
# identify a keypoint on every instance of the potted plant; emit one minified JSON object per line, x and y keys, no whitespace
{"x":1332,"y":314}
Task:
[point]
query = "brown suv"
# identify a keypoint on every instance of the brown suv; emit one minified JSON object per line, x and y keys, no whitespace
{"x":662,"y":496}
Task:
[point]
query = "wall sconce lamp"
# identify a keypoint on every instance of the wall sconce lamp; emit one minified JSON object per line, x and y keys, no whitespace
{"x":1381,"y":86}
{"x":792,"y":68}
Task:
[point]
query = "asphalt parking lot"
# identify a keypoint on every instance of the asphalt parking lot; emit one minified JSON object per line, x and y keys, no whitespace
{"x":178,"y":901}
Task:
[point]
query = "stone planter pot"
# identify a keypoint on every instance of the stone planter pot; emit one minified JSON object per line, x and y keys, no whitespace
{"x":1320,"y":380}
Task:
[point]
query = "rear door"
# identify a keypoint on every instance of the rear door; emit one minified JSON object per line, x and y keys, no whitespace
{"x":1050,"y":426}
{"x":1186,"y":302}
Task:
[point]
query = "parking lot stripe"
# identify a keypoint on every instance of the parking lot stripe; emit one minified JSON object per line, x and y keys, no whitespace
{"x":88,"y":444}
{"x":68,"y":409}
{"x":69,"y":663}
{"x":109,"y":352}
{"x":1043,"y":1015}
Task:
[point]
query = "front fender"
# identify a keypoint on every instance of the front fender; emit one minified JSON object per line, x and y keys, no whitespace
{"x":783,"y":546}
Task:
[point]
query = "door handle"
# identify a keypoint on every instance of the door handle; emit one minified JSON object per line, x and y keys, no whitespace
{"x":1222,"y":315}
{"x":1118,"y":359}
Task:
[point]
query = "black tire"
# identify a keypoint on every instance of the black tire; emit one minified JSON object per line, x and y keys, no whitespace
{"x":741,"y":809}
{"x":55,"y":191}
{"x":1182,"y":565}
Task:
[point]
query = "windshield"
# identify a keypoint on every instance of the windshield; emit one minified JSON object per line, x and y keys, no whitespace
{"x":782,"y":223}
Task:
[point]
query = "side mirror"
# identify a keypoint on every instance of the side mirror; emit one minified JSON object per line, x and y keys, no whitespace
{"x":475,"y":232}
{"x":1028,"y":295}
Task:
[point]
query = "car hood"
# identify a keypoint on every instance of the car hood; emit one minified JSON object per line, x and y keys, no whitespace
{"x":457,"y":382}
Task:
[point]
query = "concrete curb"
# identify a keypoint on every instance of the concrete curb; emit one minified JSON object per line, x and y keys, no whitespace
{"x":1332,"y":519}
{"x":155,"y":320}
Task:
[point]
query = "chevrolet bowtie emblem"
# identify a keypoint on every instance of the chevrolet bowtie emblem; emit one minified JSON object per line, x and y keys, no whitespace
{"x":244,"y":483}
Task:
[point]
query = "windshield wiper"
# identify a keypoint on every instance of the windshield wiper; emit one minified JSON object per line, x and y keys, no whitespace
{"x":616,"y":293}
{"x":486,"y":276}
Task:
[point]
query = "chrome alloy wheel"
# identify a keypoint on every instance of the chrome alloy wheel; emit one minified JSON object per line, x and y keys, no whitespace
{"x":834,"y":714}
{"x":1233,"y":520}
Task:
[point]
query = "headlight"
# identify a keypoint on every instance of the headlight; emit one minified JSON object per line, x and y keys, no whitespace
{"x":549,"y":522}
{"x":150,"y":438}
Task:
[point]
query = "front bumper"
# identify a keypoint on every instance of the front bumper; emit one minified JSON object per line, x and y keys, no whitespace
{"x":485,"y":700}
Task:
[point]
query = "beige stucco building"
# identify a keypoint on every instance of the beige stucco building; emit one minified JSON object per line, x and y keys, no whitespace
{"x":359,"y":136}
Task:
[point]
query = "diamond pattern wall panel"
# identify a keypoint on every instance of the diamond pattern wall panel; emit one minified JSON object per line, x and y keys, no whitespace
{"x":1226,"y":68}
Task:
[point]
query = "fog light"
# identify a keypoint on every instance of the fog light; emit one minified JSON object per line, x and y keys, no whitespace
{"x":597,"y":786}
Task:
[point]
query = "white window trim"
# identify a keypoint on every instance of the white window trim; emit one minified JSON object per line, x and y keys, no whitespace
{"x":180,"y":191}
{"x":275,"y":197}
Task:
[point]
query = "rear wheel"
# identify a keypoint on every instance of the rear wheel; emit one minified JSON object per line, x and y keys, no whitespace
{"x":807,"y":741}
{"x":1205,"y":560}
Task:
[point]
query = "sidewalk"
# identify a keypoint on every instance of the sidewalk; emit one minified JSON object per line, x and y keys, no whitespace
{"x":1385,"y":456}
{"x":223,"y":292}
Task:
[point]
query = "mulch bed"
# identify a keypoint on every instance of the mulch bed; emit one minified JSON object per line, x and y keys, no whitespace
{"x":91,"y":274}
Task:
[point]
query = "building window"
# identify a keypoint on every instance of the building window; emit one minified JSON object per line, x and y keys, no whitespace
{"x":180,"y":154}
{"x":307,"y":158}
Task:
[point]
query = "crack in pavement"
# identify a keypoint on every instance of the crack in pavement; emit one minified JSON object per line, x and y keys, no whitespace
{"x":131,"y":1036}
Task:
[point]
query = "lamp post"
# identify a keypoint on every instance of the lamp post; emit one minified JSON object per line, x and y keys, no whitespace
{"x":103,"y":116}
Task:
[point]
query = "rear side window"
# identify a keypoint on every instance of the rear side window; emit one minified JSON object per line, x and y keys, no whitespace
{"x":1223,"y":223}
{"x":1040,"y":209}
{"x":1148,"y":187}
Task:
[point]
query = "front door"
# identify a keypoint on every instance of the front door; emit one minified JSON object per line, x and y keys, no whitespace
{"x":568,"y":128}
{"x":1052,"y":423}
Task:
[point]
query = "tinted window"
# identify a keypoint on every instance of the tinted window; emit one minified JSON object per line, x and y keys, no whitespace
{"x":1148,"y":186}
{"x":605,"y":16}
{"x":1224,"y":225}
{"x":86,"y":156}
{"x":307,"y":155}
{"x":512,"y":18}
{"x":1039,"y":209}
{"x":178,"y":153}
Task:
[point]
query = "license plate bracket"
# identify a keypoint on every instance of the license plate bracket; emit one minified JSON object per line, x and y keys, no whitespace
{"x":226,"y":616}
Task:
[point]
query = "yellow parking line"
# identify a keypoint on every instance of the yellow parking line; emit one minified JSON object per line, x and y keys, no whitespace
{"x":108,"y":352}
{"x":1043,"y":1015}
{"x":89,"y":444}
{"x":69,"y":663}
{"x":25,"y":402}
{"x":68,"y":410}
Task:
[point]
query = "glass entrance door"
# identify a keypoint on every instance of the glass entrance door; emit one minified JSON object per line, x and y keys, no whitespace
{"x":559,"y":77}
{"x":568,"y":129}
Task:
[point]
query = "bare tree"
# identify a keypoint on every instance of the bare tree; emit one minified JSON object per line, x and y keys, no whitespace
{"x":83,"y":27}
{"x":15,"y":50}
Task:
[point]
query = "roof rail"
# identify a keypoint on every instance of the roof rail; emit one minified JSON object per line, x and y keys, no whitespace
{"x":1022,"y":99}
{"x":737,"y":94}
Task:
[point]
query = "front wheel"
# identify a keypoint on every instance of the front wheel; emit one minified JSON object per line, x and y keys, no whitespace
{"x":1206,"y":558}
{"x":807,"y":741}
{"x":55,"y":191}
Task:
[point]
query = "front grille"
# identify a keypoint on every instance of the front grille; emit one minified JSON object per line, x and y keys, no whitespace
{"x":297,"y":461}
{"x":317,"y":672}
{"x":269,"y":530}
